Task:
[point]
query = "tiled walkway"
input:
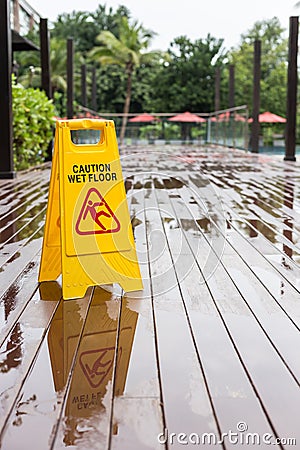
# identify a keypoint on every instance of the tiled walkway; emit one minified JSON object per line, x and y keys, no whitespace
{"x":209,"y":349}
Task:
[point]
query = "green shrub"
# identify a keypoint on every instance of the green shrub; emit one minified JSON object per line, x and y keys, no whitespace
{"x":32,"y":125}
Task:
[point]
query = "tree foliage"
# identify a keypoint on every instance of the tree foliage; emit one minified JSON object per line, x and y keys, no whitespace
{"x":128,"y":50}
{"x":273,"y":66}
{"x":32,"y":125}
{"x":183,"y":79}
{"x":84,"y":27}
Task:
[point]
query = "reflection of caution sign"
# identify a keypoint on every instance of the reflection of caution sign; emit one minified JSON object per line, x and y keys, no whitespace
{"x":96,"y":364}
{"x":88,"y":235}
{"x":95,"y":216}
{"x":95,"y":371}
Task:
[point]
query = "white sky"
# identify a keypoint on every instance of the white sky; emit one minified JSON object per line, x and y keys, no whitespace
{"x":226,"y":19}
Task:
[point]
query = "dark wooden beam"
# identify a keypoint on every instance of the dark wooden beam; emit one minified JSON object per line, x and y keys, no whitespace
{"x":6,"y":137}
{"x":231,"y":104}
{"x":21,"y":44}
{"x":256,"y":98}
{"x":231,"y":86}
{"x":46,"y":71}
{"x":217,"y":88}
{"x":70,"y":78}
{"x":45,"y":57}
{"x":291,"y":110}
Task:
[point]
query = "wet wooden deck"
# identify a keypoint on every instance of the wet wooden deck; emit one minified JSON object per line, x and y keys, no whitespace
{"x":210,"y":347}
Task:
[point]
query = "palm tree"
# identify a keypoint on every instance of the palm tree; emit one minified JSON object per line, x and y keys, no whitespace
{"x":127,"y":50}
{"x":31,"y":70}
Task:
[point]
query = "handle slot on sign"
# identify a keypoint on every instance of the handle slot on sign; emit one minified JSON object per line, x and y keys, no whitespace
{"x":87,"y":132}
{"x":87,"y":137}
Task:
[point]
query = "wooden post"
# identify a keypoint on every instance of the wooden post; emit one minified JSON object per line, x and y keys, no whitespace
{"x":217,"y":88}
{"x":83,"y":85}
{"x":231,"y":105}
{"x":46,"y":71}
{"x":288,"y":201}
{"x":70,"y":77}
{"x":94,"y":89}
{"x":231,"y":86}
{"x":16,"y":15}
{"x":217,"y":101}
{"x":45,"y":57}
{"x":291,"y":111}
{"x":256,"y":97}
{"x":6,"y":138}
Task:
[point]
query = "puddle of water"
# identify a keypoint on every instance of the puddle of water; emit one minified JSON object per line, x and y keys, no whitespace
{"x":21,"y":228}
{"x":128,"y":183}
{"x":88,"y":403}
{"x":158,"y":183}
{"x":37,"y":405}
{"x":16,"y":294}
{"x":173,"y":183}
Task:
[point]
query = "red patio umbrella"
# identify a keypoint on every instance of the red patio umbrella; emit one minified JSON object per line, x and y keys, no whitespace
{"x":268,"y":117}
{"x":187,"y":117}
{"x":143,"y":118}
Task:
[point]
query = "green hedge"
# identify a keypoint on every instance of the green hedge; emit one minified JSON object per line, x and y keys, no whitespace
{"x":32,"y":125}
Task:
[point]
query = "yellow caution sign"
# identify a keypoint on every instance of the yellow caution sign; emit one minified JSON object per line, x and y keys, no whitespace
{"x":88,"y":234}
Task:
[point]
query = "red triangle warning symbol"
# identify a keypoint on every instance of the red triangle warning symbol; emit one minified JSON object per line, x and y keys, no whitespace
{"x":97,"y":364}
{"x":96,"y":217}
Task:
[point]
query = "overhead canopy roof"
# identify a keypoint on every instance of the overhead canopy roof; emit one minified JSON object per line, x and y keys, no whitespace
{"x":20,"y":43}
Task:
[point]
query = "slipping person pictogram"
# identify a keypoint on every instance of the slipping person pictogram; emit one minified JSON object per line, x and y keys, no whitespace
{"x":92,"y":208}
{"x":96,"y":216}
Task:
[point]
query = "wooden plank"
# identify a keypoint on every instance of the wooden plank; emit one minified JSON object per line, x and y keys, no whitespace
{"x":15,"y":189}
{"x":282,"y":291}
{"x":260,"y":357}
{"x":37,"y":398}
{"x":87,"y":397}
{"x":18,"y":207}
{"x":284,"y":208}
{"x":187,"y":403}
{"x":21,"y":227}
{"x":255,"y":203}
{"x":16,"y":193}
{"x":137,"y":410}
{"x":192,"y":355}
{"x":19,"y":350}
{"x":15,"y":225}
{"x":137,"y":424}
{"x":18,"y":294}
{"x":19,"y":257}
{"x":276,"y":247}
{"x":229,"y":392}
{"x":142,"y":376}
{"x":255,"y":264}
{"x":269,"y":277}
{"x":12,"y":250}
